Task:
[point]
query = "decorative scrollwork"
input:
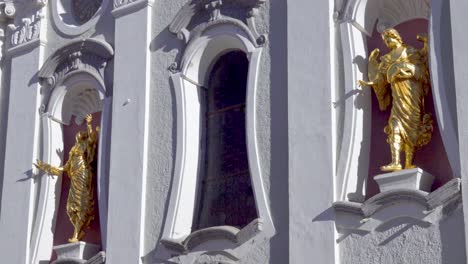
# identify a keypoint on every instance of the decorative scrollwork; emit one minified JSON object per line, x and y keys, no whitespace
{"x":28,"y":30}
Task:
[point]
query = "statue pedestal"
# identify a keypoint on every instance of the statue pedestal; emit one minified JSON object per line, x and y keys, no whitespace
{"x":78,"y":252}
{"x":413,"y":179}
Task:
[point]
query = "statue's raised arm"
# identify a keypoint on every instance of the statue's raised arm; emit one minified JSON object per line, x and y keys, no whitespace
{"x":47,"y":168}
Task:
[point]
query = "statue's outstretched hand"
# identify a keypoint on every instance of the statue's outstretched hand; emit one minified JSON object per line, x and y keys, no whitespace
{"x":362,"y":83}
{"x":89,"y":118}
{"x":39,"y":165}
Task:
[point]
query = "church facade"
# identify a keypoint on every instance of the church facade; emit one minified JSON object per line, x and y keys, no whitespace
{"x":231,"y":131}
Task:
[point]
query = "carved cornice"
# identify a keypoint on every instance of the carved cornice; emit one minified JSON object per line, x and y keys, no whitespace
{"x":27,"y":30}
{"x":81,"y":55}
{"x":181,"y":24}
{"x":25,"y":23}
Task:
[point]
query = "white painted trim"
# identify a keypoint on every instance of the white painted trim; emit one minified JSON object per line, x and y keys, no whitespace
{"x":131,"y":7}
{"x":446,"y":120}
{"x":353,"y":161}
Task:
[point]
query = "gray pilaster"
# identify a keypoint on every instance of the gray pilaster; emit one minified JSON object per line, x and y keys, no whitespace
{"x":20,"y":152}
{"x":129,"y":140}
{"x":311,"y":236}
{"x":460,"y":58}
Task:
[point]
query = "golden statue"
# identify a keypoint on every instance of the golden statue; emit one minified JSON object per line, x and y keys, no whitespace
{"x":80,"y":202}
{"x":402,"y":76}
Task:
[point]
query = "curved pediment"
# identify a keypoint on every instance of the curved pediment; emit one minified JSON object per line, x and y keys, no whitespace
{"x":186,"y":19}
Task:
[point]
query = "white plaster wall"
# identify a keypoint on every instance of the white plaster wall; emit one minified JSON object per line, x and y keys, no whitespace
{"x":4,"y":96}
{"x":460,"y":57}
{"x":441,"y":243}
{"x":271,"y":125}
{"x":311,"y":181}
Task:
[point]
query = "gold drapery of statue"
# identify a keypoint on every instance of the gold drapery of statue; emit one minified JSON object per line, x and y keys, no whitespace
{"x":80,"y":202}
{"x":401,"y":78}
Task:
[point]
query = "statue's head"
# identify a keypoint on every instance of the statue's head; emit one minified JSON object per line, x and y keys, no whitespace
{"x":391,"y":38}
{"x":81,"y":136}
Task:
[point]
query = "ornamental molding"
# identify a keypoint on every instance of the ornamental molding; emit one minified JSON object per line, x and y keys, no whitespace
{"x":7,"y":10}
{"x":25,"y":17}
{"x":188,"y":29}
{"x":183,"y":26}
{"x":28,"y":30}
{"x":87,"y":55}
{"x":420,"y":207}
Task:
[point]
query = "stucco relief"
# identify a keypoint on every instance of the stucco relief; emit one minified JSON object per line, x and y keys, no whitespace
{"x":27,"y":31}
{"x":7,"y":12}
{"x":27,"y":20}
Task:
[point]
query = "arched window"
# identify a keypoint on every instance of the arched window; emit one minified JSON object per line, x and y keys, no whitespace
{"x":226,"y":196}
{"x":218,"y":201}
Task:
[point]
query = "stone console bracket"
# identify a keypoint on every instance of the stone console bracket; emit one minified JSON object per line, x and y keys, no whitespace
{"x":419,"y":206}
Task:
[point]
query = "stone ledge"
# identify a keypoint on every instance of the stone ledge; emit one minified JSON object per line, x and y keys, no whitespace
{"x":443,"y":195}
{"x":403,"y":205}
{"x":228,"y":233}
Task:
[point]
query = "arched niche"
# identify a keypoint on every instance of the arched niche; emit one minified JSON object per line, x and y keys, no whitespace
{"x":206,"y":43}
{"x":73,"y":84}
{"x":355,"y":22}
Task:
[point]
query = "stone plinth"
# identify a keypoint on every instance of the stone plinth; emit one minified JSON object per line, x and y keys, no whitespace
{"x":413,"y":179}
{"x":78,"y":251}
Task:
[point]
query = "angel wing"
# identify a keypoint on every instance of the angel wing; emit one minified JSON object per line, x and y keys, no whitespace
{"x":380,"y":85}
{"x":423,"y":38}
{"x":424,"y":52}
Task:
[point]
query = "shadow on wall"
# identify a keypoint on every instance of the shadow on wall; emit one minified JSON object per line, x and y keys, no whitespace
{"x":279,"y":187}
{"x":400,"y":225}
{"x":166,"y":42}
{"x":452,"y":236}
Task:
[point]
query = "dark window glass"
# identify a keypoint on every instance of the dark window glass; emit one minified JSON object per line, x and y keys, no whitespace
{"x":226,"y":196}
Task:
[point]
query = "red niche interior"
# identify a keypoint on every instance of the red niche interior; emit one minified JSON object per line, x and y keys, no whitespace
{"x":63,"y":226}
{"x":432,"y":157}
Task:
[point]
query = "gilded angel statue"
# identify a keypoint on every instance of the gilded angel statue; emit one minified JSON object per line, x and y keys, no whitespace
{"x":80,"y":202}
{"x":401,"y":78}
